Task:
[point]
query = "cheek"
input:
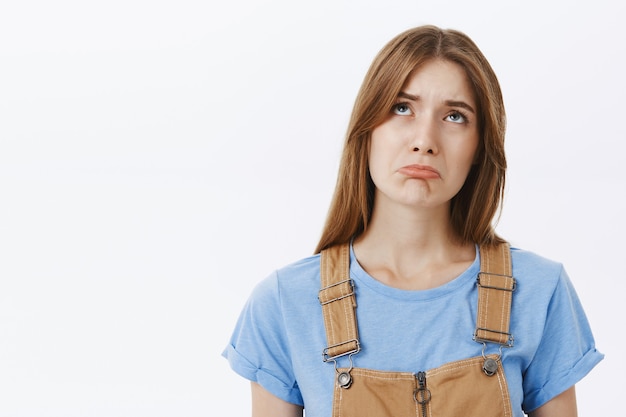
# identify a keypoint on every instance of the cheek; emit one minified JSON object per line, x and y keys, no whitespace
{"x":385,"y":142}
{"x":373,"y":161}
{"x":465,"y":156}
{"x":378,"y":159}
{"x":375,"y":148}
{"x":471,"y":150}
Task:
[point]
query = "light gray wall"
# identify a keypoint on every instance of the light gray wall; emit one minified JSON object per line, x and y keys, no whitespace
{"x":157,"y":159}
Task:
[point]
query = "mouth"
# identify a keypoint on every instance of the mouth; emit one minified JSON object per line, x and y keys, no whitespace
{"x":419,"y":172}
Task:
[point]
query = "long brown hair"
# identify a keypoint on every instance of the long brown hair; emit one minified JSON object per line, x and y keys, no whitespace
{"x":473,"y":208}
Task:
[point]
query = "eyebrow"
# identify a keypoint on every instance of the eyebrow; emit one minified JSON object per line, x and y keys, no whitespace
{"x":451,"y":103}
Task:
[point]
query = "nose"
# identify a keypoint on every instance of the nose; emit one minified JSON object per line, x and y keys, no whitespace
{"x":424,"y":137}
{"x":429,"y":150}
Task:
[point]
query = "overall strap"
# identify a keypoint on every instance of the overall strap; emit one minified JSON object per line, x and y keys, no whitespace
{"x":495,"y":292}
{"x":338,"y":303}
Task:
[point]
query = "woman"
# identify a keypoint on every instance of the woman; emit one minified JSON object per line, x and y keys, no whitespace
{"x":389,"y":317}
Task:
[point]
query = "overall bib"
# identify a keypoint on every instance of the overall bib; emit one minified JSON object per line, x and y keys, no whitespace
{"x":474,"y":387}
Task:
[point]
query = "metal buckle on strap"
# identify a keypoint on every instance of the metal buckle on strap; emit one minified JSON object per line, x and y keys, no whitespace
{"x":326,"y":357}
{"x":513,"y":287}
{"x":350,"y":292}
{"x":508,"y":344}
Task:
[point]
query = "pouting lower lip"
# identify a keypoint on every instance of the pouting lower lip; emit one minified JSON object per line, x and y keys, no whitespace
{"x":419,"y":171}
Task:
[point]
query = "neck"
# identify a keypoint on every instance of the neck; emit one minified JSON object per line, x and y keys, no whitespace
{"x":408,"y":227}
{"x":412,"y":248}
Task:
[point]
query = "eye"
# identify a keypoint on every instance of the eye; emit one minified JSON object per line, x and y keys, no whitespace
{"x":456,"y":117}
{"x":402,"y":109}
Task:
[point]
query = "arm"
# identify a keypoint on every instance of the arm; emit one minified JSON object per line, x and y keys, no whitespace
{"x":563,"y":405}
{"x":264,"y":404}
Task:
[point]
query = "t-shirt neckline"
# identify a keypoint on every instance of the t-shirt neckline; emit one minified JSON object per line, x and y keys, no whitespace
{"x":362,"y":277}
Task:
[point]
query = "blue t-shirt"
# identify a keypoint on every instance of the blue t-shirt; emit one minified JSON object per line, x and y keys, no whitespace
{"x":279,"y":337}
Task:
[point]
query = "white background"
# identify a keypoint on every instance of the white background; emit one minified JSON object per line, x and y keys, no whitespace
{"x":159,"y":158}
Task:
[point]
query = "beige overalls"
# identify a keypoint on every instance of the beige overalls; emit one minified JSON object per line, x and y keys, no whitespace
{"x":471,"y":387}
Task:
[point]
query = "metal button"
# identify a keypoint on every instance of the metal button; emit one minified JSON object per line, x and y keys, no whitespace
{"x":490,"y":367}
{"x":344,"y":380}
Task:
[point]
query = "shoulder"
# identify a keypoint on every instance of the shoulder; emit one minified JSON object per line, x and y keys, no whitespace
{"x":303,"y":272}
{"x":529,"y":266}
{"x":308,"y":265}
{"x":538,"y":279}
{"x":290,"y":280}
{"x":282,"y":291}
{"x":543,"y":288}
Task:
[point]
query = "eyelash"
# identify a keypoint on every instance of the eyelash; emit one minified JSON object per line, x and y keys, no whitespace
{"x":453,"y":112}
{"x":397,"y":105}
{"x":459,"y":113}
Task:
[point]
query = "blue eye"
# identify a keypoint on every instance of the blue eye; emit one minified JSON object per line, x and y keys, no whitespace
{"x":456,"y":117}
{"x":402,"y":109}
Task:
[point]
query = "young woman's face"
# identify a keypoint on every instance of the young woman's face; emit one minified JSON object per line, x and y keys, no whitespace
{"x":422,"y":153}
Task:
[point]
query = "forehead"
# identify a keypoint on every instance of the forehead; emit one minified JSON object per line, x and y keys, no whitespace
{"x":439,"y":78}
